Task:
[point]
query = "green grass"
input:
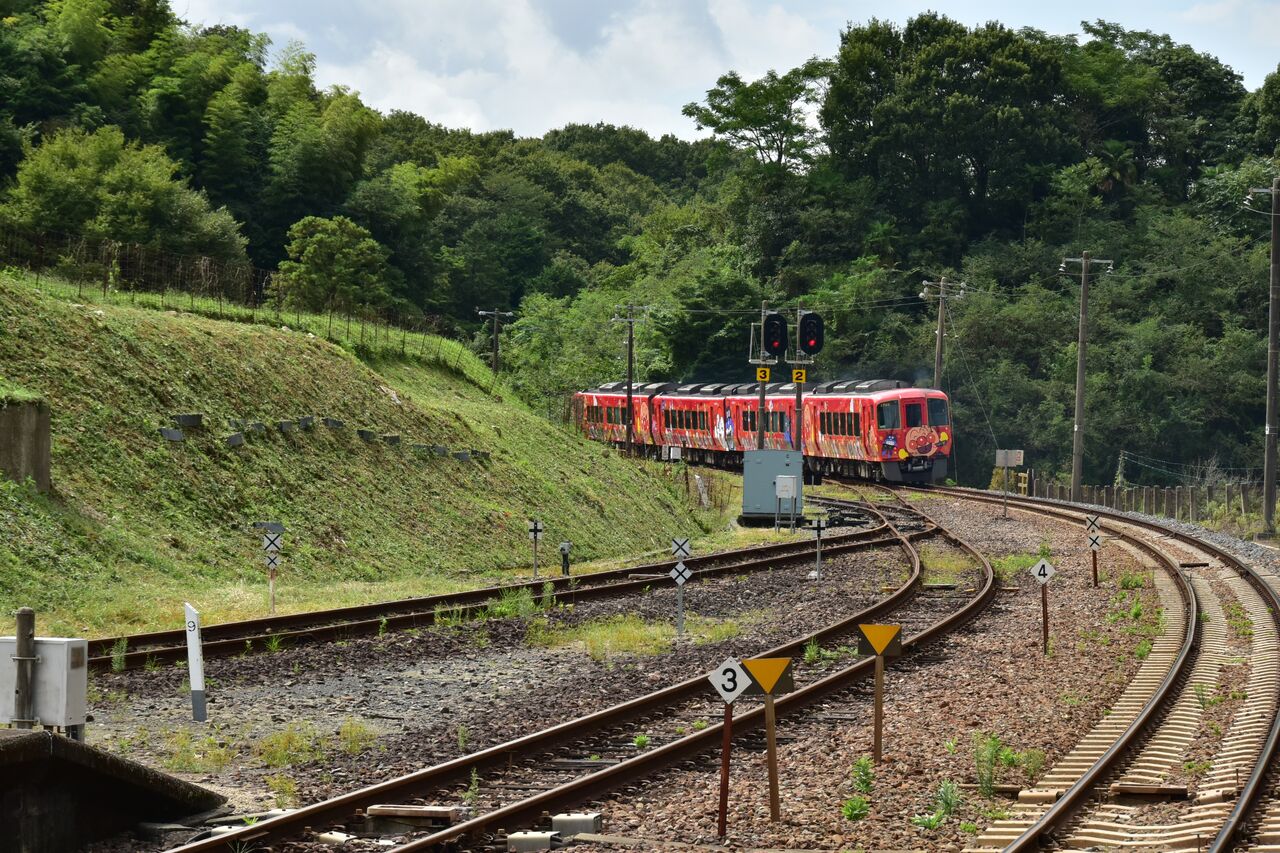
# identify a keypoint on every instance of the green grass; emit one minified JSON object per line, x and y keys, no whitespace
{"x":1010,"y":565}
{"x":11,"y":392}
{"x":629,"y":634}
{"x":944,"y":565}
{"x":137,"y":525}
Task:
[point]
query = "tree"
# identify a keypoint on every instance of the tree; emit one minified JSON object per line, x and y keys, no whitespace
{"x":767,"y":116}
{"x":333,"y":264}
{"x":99,"y":185}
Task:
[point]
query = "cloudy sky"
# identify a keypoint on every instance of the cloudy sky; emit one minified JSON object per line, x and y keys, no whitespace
{"x":532,"y":65}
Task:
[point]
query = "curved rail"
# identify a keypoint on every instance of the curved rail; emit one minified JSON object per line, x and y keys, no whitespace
{"x":318,"y":814}
{"x":1253,"y":788}
{"x":230,"y":638}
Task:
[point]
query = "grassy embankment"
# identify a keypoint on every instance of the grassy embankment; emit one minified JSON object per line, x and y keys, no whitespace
{"x":137,"y":524}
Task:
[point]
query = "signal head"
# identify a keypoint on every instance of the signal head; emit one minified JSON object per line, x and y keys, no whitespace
{"x":775,"y":334}
{"x":812,"y":333}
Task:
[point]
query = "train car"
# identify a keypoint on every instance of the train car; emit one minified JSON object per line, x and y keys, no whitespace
{"x":876,"y":429}
{"x":780,"y":411}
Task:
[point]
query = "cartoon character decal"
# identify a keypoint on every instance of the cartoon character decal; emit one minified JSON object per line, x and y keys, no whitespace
{"x":890,"y":447}
{"x":921,"y":441}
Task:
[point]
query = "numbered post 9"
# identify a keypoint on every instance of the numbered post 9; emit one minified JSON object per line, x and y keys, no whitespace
{"x":195,"y":664}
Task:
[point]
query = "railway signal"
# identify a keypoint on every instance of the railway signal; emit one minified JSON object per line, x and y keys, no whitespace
{"x":680,"y":573}
{"x":1093,"y":530}
{"x":1043,"y":572}
{"x":811,"y":333}
{"x":766,"y":672}
{"x":883,"y":641}
{"x":272,"y":540}
{"x":536,"y":529}
{"x":775,"y":334}
{"x":819,"y":524}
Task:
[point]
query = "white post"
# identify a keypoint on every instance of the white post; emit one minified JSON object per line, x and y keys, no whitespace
{"x":195,"y":664}
{"x":535,"y":558}
{"x":680,"y":610}
{"x":818,"y":568}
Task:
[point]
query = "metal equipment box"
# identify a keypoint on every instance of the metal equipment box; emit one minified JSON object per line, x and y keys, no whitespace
{"x":760,"y":471}
{"x":60,"y":683}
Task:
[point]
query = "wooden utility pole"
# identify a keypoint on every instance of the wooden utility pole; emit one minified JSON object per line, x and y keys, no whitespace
{"x":24,"y":658}
{"x":1077,"y":441}
{"x":945,"y":290}
{"x":1273,"y":364}
{"x":631,"y":319}
{"x":497,"y":319}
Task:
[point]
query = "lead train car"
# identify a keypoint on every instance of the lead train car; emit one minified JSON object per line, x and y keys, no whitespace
{"x":879,"y":429}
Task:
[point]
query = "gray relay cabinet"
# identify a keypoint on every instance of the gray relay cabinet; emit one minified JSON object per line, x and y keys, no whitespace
{"x":760,"y":470}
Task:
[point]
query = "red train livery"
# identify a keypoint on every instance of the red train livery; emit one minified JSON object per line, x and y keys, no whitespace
{"x":878,"y":429}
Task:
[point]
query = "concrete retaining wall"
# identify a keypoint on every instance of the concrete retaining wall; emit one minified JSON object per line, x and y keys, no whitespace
{"x":24,"y":442}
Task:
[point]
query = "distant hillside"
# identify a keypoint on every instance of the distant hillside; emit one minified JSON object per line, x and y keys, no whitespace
{"x":138,"y":524}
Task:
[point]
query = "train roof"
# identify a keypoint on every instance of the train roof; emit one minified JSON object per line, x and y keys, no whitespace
{"x":751,"y":389}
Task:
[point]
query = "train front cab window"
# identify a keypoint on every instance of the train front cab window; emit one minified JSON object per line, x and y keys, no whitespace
{"x":887,"y":416}
{"x":915,"y":414}
{"x":938,"y":412}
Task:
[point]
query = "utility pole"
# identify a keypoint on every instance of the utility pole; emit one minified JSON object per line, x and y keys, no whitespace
{"x":631,"y":319}
{"x":1077,"y":440}
{"x":497,"y":317}
{"x":1273,"y":362}
{"x":946,"y":290}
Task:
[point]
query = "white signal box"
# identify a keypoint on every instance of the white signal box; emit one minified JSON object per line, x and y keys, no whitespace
{"x":61,"y":680}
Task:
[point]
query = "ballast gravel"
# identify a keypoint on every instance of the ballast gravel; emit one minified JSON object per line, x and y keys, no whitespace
{"x":446,"y":691}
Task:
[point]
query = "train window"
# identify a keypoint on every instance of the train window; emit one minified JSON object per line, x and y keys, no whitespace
{"x":844,"y":423}
{"x":857,"y":424}
{"x":887,"y":415}
{"x":937,"y":411}
{"x":702,"y":420}
{"x":915,"y":415}
{"x":748,"y":420}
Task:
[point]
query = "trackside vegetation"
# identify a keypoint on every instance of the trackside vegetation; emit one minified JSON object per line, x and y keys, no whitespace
{"x":137,"y":524}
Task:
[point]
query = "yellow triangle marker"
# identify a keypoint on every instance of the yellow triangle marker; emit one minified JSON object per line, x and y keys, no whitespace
{"x":879,"y":636}
{"x":766,"y":671}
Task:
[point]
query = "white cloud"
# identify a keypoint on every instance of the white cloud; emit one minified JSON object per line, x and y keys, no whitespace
{"x":491,"y":65}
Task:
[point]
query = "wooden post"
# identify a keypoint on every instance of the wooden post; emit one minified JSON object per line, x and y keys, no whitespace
{"x":1044,"y":612}
{"x":1191,"y":504}
{"x":24,"y":697}
{"x":1095,"y":566}
{"x":724,"y":768}
{"x":1177,"y":503}
{"x":775,"y":803}
{"x":1243,"y":510}
{"x":878,"y":714}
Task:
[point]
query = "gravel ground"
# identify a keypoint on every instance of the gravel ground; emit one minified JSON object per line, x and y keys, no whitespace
{"x":431,"y":695}
{"x":416,"y":690}
{"x":991,"y":678}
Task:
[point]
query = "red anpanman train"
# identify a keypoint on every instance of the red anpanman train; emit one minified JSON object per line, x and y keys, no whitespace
{"x":879,"y":429}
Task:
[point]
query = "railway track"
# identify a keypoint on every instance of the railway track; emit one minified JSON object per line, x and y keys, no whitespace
{"x":1086,"y":800}
{"x":234,"y":638}
{"x":512,"y":785}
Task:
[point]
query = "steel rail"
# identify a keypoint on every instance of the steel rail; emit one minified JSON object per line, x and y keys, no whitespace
{"x":1247,"y":797}
{"x":604,"y":781}
{"x":1253,"y":789}
{"x":229,"y":638}
{"x":344,"y":805}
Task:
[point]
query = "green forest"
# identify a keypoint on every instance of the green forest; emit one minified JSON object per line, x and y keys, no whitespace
{"x":984,"y":154}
